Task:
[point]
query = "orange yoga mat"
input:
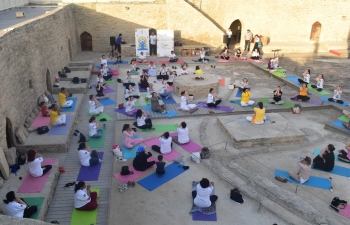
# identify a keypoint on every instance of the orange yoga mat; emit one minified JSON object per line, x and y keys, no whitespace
{"x":222,"y":82}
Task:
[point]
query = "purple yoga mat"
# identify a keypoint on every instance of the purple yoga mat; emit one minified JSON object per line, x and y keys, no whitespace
{"x":190,"y":146}
{"x":90,"y":173}
{"x":202,"y":217}
{"x":219,"y":107}
{"x":122,"y":111}
{"x":106,"y":91}
{"x":311,"y":101}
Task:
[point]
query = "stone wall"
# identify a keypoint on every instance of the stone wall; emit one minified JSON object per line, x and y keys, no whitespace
{"x":33,"y":49}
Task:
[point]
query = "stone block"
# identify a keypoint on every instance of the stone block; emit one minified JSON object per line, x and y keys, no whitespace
{"x":31,"y":129}
{"x":21,"y":137}
{"x":33,"y":115}
{"x":4,"y":166}
{"x":10,"y":155}
{"x":26,"y":125}
{"x":24,"y":130}
{"x":29,"y":120}
{"x":36,"y":112}
{"x":47,"y":93}
{"x":1,"y":182}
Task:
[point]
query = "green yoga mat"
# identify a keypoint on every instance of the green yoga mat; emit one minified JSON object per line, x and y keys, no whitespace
{"x":265,"y":65}
{"x":85,"y":217}
{"x":137,"y":104}
{"x":344,"y":119}
{"x":148,"y":102}
{"x":323,"y":92}
{"x":102,"y":115}
{"x":286,"y":104}
{"x":281,"y":70}
{"x":35,"y":201}
{"x":162,"y":128}
{"x":278,"y":74}
{"x":97,"y":142}
{"x":109,"y":81}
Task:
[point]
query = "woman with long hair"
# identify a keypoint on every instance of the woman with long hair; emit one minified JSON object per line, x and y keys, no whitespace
{"x":17,"y":207}
{"x":99,"y":90}
{"x":128,"y":135}
{"x":34,"y":162}
{"x":212,"y":101}
{"x":86,"y":156}
{"x":277,"y":96}
{"x":142,"y":120}
{"x":84,"y":199}
{"x":303,"y":93}
{"x":94,"y":132}
{"x":306,"y":77}
{"x":225,"y":55}
{"x":320,"y":81}
{"x":337,"y":96}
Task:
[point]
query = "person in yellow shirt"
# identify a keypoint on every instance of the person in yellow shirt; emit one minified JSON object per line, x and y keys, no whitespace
{"x":259,"y":117}
{"x":303,"y":93}
{"x":199,"y":73}
{"x":245,"y":98}
{"x":62,"y":99}
{"x":56,"y":118}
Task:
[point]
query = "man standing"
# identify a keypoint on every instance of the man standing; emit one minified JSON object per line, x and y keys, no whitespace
{"x":248,"y":38}
{"x":229,"y":34}
{"x":153,"y":43}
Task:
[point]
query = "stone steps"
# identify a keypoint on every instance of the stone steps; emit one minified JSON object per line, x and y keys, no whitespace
{"x":81,"y":74}
{"x":71,"y":87}
{"x":81,"y":68}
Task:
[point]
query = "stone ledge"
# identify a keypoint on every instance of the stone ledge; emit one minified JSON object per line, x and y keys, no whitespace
{"x":9,"y":220}
{"x":71,"y":87}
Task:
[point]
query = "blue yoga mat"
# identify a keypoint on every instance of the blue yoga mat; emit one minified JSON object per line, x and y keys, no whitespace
{"x":129,"y":153}
{"x":294,"y":79}
{"x":239,"y":94}
{"x":110,"y":62}
{"x":324,"y":98}
{"x":318,"y":182}
{"x":107,"y":101}
{"x":338,"y":170}
{"x":170,"y":113}
{"x":71,"y":109}
{"x":339,"y":124}
{"x":60,"y":130}
{"x":90,"y":173}
{"x":99,"y":67}
{"x":168,"y":101}
{"x":154,"y":181}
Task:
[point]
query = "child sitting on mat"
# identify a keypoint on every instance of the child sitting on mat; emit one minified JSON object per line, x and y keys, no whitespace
{"x":183,"y":70}
{"x":303,"y":173}
{"x":244,"y":85}
{"x":160,"y":166}
{"x":270,"y":66}
{"x":199,"y":73}
{"x":337,"y":96}
{"x":45,"y":111}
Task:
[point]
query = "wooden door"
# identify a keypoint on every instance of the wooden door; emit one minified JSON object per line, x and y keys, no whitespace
{"x":315,"y":32}
{"x":86,"y":41}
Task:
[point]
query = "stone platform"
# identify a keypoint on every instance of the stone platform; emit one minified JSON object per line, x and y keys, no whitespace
{"x":245,"y":135}
{"x":81,"y":74}
{"x":71,"y":87}
{"x":199,"y":88}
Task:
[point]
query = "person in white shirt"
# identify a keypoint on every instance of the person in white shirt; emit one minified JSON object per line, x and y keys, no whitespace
{"x":104,"y":72}
{"x":93,"y":131}
{"x":153,"y":43}
{"x":244,"y":85}
{"x":134,"y":68}
{"x":142,"y":58}
{"x":17,"y":207}
{"x":150,"y":91}
{"x":86,"y":156}
{"x":172,"y":57}
{"x":93,"y":110}
{"x":152,"y":72}
{"x":101,"y":80}
{"x":165,"y":144}
{"x":276,"y":62}
{"x":84,"y":199}
{"x":34,"y":164}
{"x":202,"y":197}
{"x":306,"y":78}
{"x":172,"y":78}
{"x":185,"y":98}
{"x":320,"y":81}
{"x":104,"y":61}
{"x":255,"y":54}
{"x":163,"y":73}
{"x":337,"y":96}
{"x":164,"y":90}
{"x":142,"y":120}
{"x":211,"y":101}
{"x":229,"y":34}
{"x":131,"y":92}
{"x":182,"y":132}
{"x":128,"y":80}
{"x":130,"y":106}
{"x":202,"y":56}
{"x":184,"y":70}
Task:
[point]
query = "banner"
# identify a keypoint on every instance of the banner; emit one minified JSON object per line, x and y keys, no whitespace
{"x":142,"y":41}
{"x":165,"y":42}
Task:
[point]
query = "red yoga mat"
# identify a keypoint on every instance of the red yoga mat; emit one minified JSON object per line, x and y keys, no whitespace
{"x":222,"y":82}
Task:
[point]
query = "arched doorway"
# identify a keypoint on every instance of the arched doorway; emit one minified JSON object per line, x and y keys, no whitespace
{"x":70,"y":50}
{"x":86,"y":41}
{"x":236,"y":28}
{"x":153,"y":48}
{"x":10,"y":140}
{"x":315,"y":31}
{"x":48,"y":81}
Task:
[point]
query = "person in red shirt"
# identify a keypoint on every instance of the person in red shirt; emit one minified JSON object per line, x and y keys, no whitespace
{"x":45,"y":110}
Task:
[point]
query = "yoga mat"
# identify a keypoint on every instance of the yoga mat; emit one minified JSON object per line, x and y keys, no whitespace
{"x":129,"y":153}
{"x":339,"y":124}
{"x":244,"y":122}
{"x":109,"y":70}
{"x":106,"y":91}
{"x":324,"y":98}
{"x":238,"y":102}
{"x":190,"y":147}
{"x":168,"y":101}
{"x":317,"y":151}
{"x":281,"y":70}
{"x":294,"y":79}
{"x":162,"y":128}
{"x":239,"y":94}
{"x":154,"y":181}
{"x":100,"y":116}
{"x":223,"y":60}
{"x":90,"y":173}
{"x":155,"y":141}
{"x":219,"y":107}
{"x":122,"y":62}
{"x":97,"y":142}
{"x":60,"y":130}
{"x":122,"y":111}
{"x":107,"y":101}
{"x":41,"y":121}
{"x":285,"y":104}
{"x":136,"y":174}
{"x":170,"y":113}
{"x":345,"y":212}
{"x":344,"y":119}
{"x":167,"y":61}
{"x":109,"y":81}
{"x":338,"y":170}
{"x":278,"y":74}
{"x":36,"y":184}
{"x":210,"y":60}
{"x":85,"y":217}
{"x":222,"y":82}
{"x":148,"y":102}
{"x":318,"y":182}
{"x":198,"y":216}
{"x":323,"y":92}
{"x":38,"y":201}
{"x":142,"y":89}
{"x":71,"y":109}
{"x":311,"y":101}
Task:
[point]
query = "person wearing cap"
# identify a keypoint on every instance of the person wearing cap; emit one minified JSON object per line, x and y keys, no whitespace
{"x":140,"y":162}
{"x":325,"y":160}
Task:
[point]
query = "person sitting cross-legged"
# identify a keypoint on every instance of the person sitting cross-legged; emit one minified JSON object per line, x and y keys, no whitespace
{"x":245,"y":98}
{"x":62,"y":99}
{"x":56,"y":117}
{"x":303,"y":173}
{"x":277,"y":96}
{"x":87,"y":156}
{"x":84,"y":198}
{"x":17,"y":207}
{"x":93,"y":110}
{"x":140,"y":162}
{"x":259,"y":117}
{"x":202,"y":195}
{"x":182,"y":134}
{"x":325,"y":160}
{"x":34,"y":163}
{"x":128,"y":135}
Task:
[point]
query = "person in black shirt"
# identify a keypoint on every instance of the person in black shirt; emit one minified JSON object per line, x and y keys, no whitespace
{"x":325,"y":160}
{"x":160,"y":165}
{"x":140,"y":162}
{"x":277,"y":96}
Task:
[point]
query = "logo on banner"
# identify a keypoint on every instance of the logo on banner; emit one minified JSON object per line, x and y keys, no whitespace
{"x":142,"y":43}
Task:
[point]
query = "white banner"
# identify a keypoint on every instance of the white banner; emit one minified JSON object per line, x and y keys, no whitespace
{"x":165,"y":42}
{"x":142,"y":41}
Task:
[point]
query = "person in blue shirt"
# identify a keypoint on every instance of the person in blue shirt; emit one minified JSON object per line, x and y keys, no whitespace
{"x":119,"y":41}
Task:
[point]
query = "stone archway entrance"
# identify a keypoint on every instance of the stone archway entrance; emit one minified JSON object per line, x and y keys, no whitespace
{"x":10,"y":139}
{"x":49,"y":83}
{"x":86,"y":41}
{"x":236,"y":28}
{"x":315,"y":32}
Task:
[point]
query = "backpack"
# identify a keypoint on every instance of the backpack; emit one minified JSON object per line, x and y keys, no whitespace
{"x":196,"y":157}
{"x":42,"y":130}
{"x":296,"y":109}
{"x":205,"y":154}
{"x":76,"y":80}
{"x":14,"y":168}
{"x":21,"y":158}
{"x":63,"y":75}
{"x":66,"y":70}
{"x":336,"y":202}
{"x":125,"y":171}
{"x":82,"y":138}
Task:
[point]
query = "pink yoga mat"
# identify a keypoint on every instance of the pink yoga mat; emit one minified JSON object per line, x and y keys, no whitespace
{"x":40,"y":121}
{"x":190,"y":146}
{"x":155,"y":141}
{"x":345,"y":212}
{"x":223,"y":60}
{"x":36,"y":184}
{"x":136,"y":174}
{"x":170,"y":88}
